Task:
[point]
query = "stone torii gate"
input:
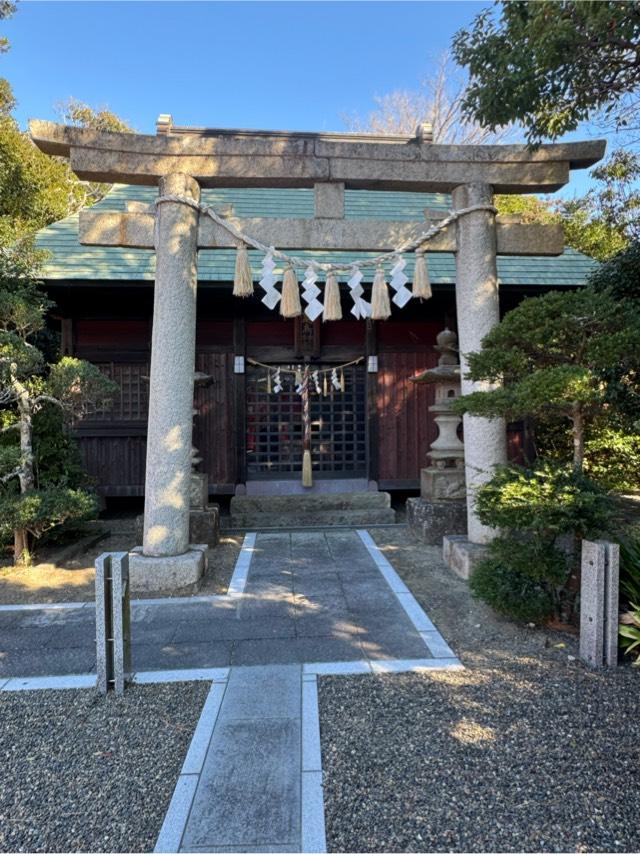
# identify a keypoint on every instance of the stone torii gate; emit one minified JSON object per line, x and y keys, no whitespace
{"x":182,"y":160}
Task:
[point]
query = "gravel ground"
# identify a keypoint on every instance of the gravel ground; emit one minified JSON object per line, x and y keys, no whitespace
{"x":84,"y":773}
{"x":74,"y":580}
{"x":525,"y":750}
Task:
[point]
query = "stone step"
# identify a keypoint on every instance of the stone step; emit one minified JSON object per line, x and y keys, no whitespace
{"x":322,"y":518}
{"x":319,"y":502}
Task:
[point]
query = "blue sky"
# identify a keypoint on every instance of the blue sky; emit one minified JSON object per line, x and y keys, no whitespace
{"x":289,"y":65}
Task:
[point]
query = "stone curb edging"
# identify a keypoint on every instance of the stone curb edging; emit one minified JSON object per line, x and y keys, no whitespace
{"x":433,"y":640}
{"x":175,"y":820}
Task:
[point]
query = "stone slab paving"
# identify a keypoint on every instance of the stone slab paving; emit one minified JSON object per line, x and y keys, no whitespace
{"x":248,"y":794}
{"x":307,"y":597}
{"x":299,"y":605}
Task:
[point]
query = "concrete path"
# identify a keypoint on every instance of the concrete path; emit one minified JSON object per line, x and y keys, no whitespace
{"x":248,"y":789}
{"x":299,"y":605}
{"x":307,"y":597}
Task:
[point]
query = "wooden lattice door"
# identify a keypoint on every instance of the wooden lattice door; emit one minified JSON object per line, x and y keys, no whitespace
{"x":274,"y":427}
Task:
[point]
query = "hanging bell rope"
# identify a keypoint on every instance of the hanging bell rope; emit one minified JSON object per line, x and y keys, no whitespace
{"x":290,"y":302}
{"x":380,"y":305}
{"x":243,"y":277}
{"x":421,"y":283}
{"x":332,"y":307}
{"x":307,"y":462}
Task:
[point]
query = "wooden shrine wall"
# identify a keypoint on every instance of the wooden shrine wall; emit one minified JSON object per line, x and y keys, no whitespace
{"x":405,"y":426}
{"x":113,"y":442}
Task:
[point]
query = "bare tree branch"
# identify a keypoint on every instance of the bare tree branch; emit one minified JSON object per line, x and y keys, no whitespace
{"x":438,"y":101}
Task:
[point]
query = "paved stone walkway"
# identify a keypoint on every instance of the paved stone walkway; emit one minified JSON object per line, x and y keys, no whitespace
{"x":308,"y":597}
{"x":299,"y":605}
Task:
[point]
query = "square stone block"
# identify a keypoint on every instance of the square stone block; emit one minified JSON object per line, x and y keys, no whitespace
{"x":432,"y":520}
{"x":460,"y":555}
{"x":148,"y":573}
{"x":204,"y":525}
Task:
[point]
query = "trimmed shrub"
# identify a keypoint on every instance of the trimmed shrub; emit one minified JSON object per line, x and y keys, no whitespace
{"x":521,"y":579}
{"x":546,"y":500}
{"x":525,"y":574}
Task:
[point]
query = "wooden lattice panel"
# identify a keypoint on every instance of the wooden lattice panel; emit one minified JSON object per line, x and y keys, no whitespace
{"x":274,"y":427}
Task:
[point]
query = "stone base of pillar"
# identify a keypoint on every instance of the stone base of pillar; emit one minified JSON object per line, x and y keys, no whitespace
{"x":460,"y":555}
{"x":432,"y":520}
{"x":149,"y":574}
{"x":204,"y":526}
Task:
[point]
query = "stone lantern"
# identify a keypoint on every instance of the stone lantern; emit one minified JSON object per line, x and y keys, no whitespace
{"x":441,"y":508}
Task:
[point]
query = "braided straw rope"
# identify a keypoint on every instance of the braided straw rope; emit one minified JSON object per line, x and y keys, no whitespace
{"x":296,"y":261}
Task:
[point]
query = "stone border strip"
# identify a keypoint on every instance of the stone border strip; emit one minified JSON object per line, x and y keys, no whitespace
{"x":175,"y":820}
{"x":52,"y":683}
{"x":52,"y":606}
{"x":243,"y":563}
{"x":216,"y":675}
{"x":433,"y":640}
{"x":312,"y":828}
{"x":195,"y":674}
{"x":384,"y":665}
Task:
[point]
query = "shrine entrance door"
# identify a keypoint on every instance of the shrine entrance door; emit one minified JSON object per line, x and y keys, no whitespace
{"x":339,"y":442}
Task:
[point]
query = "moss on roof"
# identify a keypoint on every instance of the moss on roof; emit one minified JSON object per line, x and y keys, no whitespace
{"x":69,"y":260}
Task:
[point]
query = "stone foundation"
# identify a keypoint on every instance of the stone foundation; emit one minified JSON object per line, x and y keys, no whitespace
{"x":148,"y":574}
{"x":460,"y":555}
{"x":432,"y":520}
{"x":204,"y":526}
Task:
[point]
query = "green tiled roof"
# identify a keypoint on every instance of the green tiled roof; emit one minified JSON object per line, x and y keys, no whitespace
{"x":70,"y":260}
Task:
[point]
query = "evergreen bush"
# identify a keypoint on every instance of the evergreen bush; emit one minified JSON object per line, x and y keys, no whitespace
{"x":521,"y":578}
{"x":540,"y":511}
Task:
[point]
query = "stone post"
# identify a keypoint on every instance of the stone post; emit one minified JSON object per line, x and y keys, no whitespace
{"x":168,"y":474}
{"x":478,"y":311}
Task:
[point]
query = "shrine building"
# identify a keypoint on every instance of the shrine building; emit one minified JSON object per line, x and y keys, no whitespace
{"x":374,"y":433}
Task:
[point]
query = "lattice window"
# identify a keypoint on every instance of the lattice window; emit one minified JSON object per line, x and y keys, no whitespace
{"x":132,"y":401}
{"x":274,"y":427}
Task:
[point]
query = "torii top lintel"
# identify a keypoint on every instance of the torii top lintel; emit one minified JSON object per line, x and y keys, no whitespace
{"x":238,"y":158}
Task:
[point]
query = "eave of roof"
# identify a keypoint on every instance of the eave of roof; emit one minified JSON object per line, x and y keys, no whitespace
{"x":69,"y":260}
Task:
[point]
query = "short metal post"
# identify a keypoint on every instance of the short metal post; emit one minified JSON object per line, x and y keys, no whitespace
{"x":113,"y":621}
{"x":599,"y":603}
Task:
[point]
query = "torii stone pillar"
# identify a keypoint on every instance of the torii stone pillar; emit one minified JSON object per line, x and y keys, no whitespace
{"x":169,"y":432}
{"x":173,"y":354}
{"x":478,"y":310}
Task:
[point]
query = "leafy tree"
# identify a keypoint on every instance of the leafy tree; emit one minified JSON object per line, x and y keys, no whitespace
{"x":551,"y":65}
{"x":554,"y":355}
{"x":35,"y":189}
{"x":7,"y":8}
{"x":27,"y":385}
{"x":620,"y":275}
{"x":74,"y":112}
{"x":603,"y":222}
